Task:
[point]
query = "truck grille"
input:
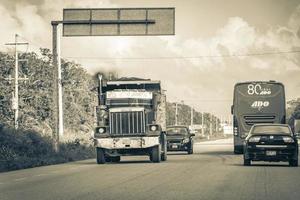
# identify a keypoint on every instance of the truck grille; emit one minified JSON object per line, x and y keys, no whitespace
{"x":127,"y":123}
{"x":258,"y":119}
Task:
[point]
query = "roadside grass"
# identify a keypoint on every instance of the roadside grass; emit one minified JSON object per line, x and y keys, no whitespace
{"x":25,"y":149}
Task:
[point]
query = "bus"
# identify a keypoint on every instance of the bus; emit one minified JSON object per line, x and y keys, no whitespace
{"x":256,"y":102}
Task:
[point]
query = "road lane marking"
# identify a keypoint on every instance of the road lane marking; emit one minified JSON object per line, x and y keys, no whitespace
{"x":20,"y":179}
{"x":41,"y":175}
{"x":56,"y":171}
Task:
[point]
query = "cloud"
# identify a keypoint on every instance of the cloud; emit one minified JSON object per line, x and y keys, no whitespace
{"x":9,"y":27}
{"x":294,"y":22}
{"x":32,"y":18}
{"x":237,"y":36}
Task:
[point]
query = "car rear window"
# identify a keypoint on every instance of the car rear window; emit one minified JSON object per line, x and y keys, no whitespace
{"x":177,"y":131}
{"x":271,"y":130}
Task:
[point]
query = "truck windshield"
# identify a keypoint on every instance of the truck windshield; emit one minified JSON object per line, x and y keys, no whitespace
{"x":271,"y":130}
{"x":177,"y":131}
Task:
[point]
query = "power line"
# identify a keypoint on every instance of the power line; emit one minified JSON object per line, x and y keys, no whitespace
{"x":185,"y":57}
{"x":168,"y":57}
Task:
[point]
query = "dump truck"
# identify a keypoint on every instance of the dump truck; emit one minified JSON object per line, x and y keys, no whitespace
{"x":131,"y":120}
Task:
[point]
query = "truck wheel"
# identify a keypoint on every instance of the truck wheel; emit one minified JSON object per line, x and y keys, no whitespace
{"x":155,"y":154}
{"x":237,"y":150}
{"x":247,"y":162}
{"x":164,"y":148}
{"x":293,"y":163}
{"x":191,"y":149}
{"x":100,"y":156}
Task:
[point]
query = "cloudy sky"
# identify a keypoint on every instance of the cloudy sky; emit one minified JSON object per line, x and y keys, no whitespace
{"x":195,"y":70}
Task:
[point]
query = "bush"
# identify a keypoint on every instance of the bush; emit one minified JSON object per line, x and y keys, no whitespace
{"x":24,"y":148}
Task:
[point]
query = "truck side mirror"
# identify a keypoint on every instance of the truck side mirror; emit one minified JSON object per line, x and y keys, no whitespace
{"x":232,"y":108}
{"x":192,"y":134}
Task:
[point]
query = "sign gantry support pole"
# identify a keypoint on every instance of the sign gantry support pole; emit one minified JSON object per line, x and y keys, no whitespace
{"x":57,"y":89}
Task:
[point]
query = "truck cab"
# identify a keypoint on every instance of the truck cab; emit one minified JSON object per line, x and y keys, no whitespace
{"x":131,"y":120}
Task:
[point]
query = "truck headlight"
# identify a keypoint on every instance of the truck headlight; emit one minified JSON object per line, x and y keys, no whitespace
{"x":287,"y":139}
{"x":254,"y":139}
{"x":100,"y":130}
{"x":153,"y":127}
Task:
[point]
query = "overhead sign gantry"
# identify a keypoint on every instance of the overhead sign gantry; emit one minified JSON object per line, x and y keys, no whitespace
{"x":103,"y":22}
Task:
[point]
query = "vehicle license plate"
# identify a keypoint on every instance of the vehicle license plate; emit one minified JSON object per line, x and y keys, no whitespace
{"x":271,"y":153}
{"x":174,"y":146}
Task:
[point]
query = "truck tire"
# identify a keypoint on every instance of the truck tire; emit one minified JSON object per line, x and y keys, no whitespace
{"x":237,"y":150}
{"x":155,"y":155}
{"x":293,"y":163}
{"x":100,"y":155}
{"x":247,"y":162}
{"x":164,"y":148}
{"x":191,"y":148}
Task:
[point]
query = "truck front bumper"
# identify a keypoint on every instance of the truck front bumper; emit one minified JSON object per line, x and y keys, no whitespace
{"x":126,"y":142}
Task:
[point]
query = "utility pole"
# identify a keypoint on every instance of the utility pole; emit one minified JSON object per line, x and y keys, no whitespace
{"x":15,"y":98}
{"x":192,"y":115}
{"x":176,"y":113}
{"x":202,"y":123}
{"x":216,"y":124}
{"x":210,"y":125}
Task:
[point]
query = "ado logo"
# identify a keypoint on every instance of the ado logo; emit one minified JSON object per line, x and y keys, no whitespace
{"x":260,"y":104}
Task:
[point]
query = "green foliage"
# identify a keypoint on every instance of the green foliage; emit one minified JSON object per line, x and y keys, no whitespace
{"x":23,"y":149}
{"x":293,"y":108}
{"x":32,"y":144}
{"x":184,"y":116}
{"x":79,"y":97}
{"x":36,"y":94}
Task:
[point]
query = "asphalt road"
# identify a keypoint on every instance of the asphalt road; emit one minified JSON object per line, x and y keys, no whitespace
{"x":213,"y":172}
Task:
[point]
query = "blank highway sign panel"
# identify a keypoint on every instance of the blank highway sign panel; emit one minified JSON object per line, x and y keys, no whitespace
{"x":119,"y":21}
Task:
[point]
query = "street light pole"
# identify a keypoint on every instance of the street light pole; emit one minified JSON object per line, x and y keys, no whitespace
{"x":57,"y":89}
